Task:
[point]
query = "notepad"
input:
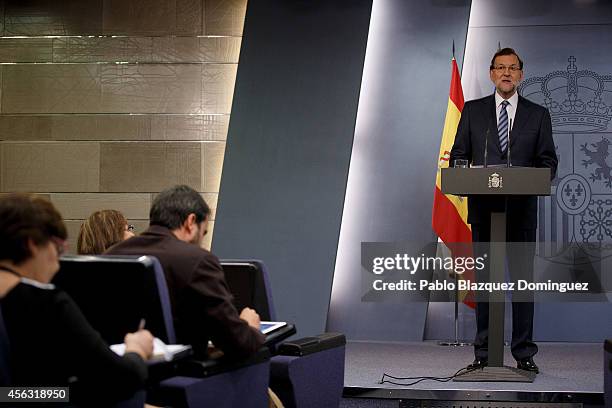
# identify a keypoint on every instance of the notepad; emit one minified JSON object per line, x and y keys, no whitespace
{"x":269,"y":327}
{"x":161,"y":350}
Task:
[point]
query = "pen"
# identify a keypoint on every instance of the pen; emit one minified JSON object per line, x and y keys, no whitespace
{"x":141,"y":325}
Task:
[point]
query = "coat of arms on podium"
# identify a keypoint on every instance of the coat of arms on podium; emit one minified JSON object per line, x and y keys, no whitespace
{"x":495,"y":181}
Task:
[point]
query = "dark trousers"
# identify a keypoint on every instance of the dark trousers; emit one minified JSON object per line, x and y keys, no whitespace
{"x":522,"y":345}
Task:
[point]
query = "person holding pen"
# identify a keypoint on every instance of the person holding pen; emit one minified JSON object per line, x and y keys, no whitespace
{"x":49,"y":340}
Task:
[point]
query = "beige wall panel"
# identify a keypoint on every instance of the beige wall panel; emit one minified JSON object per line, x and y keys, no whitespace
{"x":224,"y":17}
{"x":149,"y":167}
{"x":26,"y":49}
{"x":218,"y":87}
{"x":45,"y":17}
{"x":212,"y":163}
{"x":163,"y":88}
{"x":212,"y":200}
{"x":153,"y":17}
{"x":184,"y":127}
{"x":73,"y":227}
{"x":42,"y":167}
{"x":207,"y":241}
{"x":51,"y":88}
{"x":102,"y":49}
{"x":82,"y":205}
{"x":146,"y":49}
{"x":85,"y":88}
{"x":113,"y":127}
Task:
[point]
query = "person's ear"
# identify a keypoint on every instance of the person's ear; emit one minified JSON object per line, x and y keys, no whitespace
{"x":191,"y":223}
{"x":32,"y":247}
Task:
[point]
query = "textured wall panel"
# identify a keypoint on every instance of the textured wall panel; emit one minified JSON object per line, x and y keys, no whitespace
{"x":81,"y":205}
{"x":211,"y":199}
{"x":224,"y":17}
{"x":51,"y":88}
{"x":206,"y":243}
{"x":46,"y":17}
{"x":212,"y":164}
{"x":26,"y":49}
{"x":153,"y":17}
{"x":147,"y":49}
{"x":113,"y":127}
{"x":88,"y":88}
{"x":168,"y":88}
{"x":183,"y":127}
{"x":149,"y":167}
{"x":218,"y":88}
{"x":50,"y":167}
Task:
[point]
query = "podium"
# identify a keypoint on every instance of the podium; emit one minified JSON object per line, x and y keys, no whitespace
{"x":500,"y":181}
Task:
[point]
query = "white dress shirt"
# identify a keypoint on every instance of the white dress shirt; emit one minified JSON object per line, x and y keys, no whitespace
{"x":511,"y":108}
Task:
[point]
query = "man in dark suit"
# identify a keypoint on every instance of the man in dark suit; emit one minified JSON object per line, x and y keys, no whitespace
{"x":515,"y":132}
{"x":201,"y":301}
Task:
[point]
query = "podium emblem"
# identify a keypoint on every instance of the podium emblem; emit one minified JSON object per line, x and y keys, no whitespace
{"x":495,"y":181}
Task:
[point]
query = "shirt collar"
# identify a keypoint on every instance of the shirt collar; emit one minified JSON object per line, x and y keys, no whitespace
{"x":513,"y":100}
{"x":40,"y":285}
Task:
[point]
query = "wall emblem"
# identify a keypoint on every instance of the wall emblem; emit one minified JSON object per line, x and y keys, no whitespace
{"x":580,"y":208}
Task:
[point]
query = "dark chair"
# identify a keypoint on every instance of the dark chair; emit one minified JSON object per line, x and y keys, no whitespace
{"x":5,"y":354}
{"x":608,"y":372}
{"x":308,"y":372}
{"x":136,"y":401}
{"x":115,"y":292}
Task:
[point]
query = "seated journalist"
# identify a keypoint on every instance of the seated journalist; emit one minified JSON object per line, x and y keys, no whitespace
{"x":199,"y":295}
{"x":102,"y":230}
{"x":50,"y":341}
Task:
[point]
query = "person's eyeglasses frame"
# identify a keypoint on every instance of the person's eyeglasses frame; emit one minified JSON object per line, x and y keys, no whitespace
{"x":504,"y":68}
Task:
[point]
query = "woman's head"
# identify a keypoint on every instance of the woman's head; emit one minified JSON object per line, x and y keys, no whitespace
{"x":102,"y":230}
{"x":31,"y":231}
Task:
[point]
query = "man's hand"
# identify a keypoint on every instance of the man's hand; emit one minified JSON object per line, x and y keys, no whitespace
{"x":140,"y":342}
{"x":251,"y":317}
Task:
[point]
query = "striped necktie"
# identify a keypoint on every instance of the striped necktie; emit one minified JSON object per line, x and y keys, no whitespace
{"x":502,"y":127}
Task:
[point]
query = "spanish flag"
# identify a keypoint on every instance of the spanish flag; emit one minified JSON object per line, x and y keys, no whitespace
{"x":449,"y":215}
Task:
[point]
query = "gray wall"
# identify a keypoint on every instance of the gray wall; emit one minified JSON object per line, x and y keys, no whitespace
{"x":393,"y":165}
{"x":289,"y":145}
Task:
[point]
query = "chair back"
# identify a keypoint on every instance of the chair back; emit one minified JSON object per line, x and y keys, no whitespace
{"x":116,"y":292}
{"x":5,"y":353}
{"x":249,"y":283}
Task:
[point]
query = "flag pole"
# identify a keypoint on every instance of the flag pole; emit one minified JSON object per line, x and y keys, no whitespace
{"x":455,"y":342}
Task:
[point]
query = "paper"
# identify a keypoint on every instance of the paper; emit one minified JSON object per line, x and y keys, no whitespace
{"x":161,"y":351}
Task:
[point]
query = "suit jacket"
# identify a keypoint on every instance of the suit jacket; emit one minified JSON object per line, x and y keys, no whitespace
{"x":201,"y":301}
{"x":531,"y":145}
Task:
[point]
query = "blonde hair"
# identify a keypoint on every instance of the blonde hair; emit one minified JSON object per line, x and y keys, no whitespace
{"x":100,"y":231}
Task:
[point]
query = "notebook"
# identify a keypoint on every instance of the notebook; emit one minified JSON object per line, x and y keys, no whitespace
{"x":161,"y":351}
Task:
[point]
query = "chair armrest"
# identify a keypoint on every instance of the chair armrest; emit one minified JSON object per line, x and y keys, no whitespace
{"x":209,"y":367}
{"x":310,"y":345}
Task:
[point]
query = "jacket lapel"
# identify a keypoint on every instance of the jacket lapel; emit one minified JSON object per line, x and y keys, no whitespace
{"x":520,"y":118}
{"x":492,"y":122}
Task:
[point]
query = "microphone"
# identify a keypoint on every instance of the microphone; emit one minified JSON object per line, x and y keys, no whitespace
{"x":486,"y":149}
{"x":509,"y":164}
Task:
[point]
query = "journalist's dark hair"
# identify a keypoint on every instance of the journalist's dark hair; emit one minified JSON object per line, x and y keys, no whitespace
{"x":23,"y":217}
{"x":506,"y":51}
{"x":171,"y":207}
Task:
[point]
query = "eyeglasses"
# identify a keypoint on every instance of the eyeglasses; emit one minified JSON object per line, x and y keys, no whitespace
{"x":131,"y":228}
{"x":503,"y":68}
{"x":60,"y":245}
